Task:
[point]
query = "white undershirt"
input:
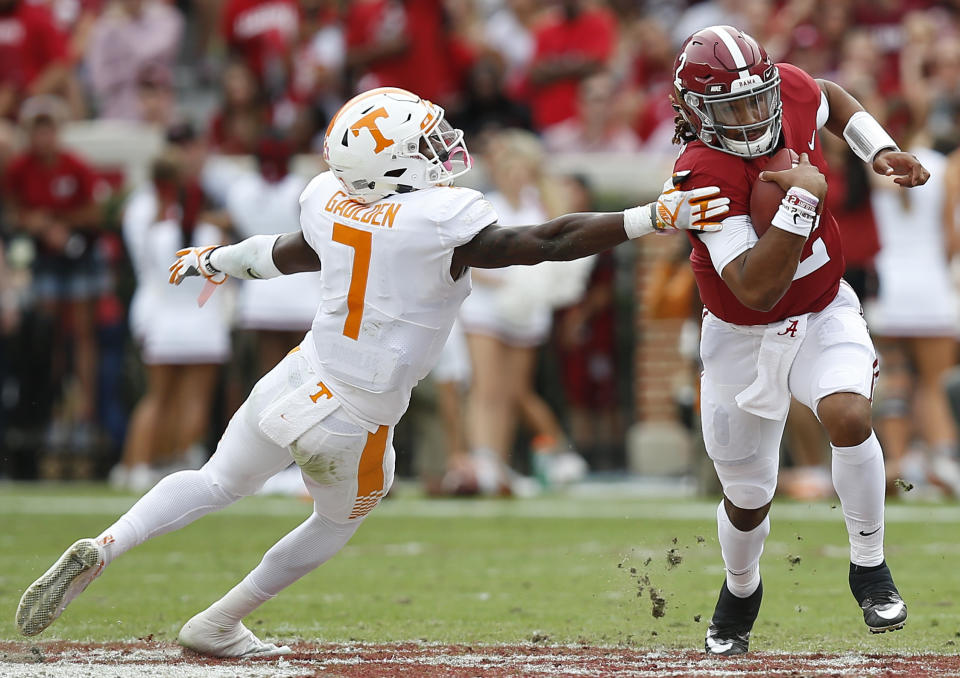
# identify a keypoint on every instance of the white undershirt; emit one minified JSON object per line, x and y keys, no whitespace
{"x":737,"y":235}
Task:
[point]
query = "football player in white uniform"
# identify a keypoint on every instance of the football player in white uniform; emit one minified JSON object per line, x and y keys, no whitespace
{"x":394,"y":242}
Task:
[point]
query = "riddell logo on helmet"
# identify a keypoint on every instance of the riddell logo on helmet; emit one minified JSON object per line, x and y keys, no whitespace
{"x":369,"y":122}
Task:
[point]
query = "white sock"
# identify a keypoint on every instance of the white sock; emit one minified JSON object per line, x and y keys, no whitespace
{"x":860,"y":482}
{"x":240,"y":601}
{"x":308,"y":546}
{"x":175,"y":501}
{"x":741,"y":553}
{"x":303,"y":550}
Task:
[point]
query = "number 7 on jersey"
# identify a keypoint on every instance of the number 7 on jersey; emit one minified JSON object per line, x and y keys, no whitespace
{"x":360,"y":242}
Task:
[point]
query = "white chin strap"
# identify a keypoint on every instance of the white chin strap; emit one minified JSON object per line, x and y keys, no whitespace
{"x":749,"y":149}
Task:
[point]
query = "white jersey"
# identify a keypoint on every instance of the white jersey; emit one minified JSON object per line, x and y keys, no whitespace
{"x":388,"y":299}
{"x":258,"y":207}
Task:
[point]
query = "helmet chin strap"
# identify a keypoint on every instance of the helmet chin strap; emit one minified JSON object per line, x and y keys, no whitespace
{"x":744,"y":149}
{"x":750,"y":149}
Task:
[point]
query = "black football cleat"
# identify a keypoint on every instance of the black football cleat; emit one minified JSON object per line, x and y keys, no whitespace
{"x":733,"y":617}
{"x":873,"y":587}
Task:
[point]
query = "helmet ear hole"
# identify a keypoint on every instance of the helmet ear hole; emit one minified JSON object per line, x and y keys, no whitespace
{"x":396,"y":173}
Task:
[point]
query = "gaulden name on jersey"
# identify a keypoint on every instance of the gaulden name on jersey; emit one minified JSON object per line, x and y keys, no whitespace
{"x":381,"y":214}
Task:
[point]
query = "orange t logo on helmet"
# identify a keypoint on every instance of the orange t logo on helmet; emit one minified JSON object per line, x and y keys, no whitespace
{"x":369,"y":121}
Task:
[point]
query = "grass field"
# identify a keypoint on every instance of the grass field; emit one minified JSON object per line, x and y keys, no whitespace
{"x":552,"y":570}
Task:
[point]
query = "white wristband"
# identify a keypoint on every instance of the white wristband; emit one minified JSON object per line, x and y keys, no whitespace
{"x":639,"y":221}
{"x":797,"y":212}
{"x":250,"y":259}
{"x":866,"y":136}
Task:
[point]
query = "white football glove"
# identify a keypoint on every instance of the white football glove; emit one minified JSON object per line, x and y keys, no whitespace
{"x":195,"y":261}
{"x":694,"y":210}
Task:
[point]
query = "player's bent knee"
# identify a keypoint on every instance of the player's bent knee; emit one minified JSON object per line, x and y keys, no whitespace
{"x":750,"y":483}
{"x":748,"y":498}
{"x":347,"y":527}
{"x":846,"y":417}
{"x":229,"y":487}
{"x":743,"y":519}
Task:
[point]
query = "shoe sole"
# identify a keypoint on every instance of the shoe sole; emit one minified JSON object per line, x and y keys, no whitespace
{"x":279,"y":651}
{"x":884,"y":629}
{"x":43,"y":601}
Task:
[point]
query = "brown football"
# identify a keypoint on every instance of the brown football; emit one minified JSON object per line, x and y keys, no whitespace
{"x":766,"y":195}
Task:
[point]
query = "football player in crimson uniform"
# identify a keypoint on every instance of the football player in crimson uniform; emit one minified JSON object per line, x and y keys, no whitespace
{"x":778,"y":319}
{"x":394,"y":242}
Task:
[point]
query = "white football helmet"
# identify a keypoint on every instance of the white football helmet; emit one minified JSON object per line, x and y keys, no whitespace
{"x":388,"y":140}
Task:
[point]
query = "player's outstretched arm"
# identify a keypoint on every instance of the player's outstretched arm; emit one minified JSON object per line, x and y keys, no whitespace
{"x":762,"y":275}
{"x":256,"y":258}
{"x":573,"y":236}
{"x":292,"y":254}
{"x":868,"y":139}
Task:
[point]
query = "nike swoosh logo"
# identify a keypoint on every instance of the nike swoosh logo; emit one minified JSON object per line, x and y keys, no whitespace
{"x":253,"y":275}
{"x":867,"y":534}
{"x":813,"y":140}
{"x":890,"y":612}
{"x":718,"y":647}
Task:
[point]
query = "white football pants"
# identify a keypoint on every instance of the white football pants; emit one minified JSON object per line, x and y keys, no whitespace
{"x":347,"y":474}
{"x":836,"y":355}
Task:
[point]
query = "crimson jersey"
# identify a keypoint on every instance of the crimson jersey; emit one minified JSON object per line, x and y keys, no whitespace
{"x":821,"y":263}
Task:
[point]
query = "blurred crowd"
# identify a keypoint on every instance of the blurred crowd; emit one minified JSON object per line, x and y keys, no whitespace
{"x":103,"y":365}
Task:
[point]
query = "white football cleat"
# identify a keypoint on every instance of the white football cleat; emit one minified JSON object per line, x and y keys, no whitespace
{"x":206,"y":637}
{"x":48,"y":596}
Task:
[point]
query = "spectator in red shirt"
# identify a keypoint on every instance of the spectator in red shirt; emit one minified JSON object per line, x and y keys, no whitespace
{"x":575,"y":42}
{"x":404,"y":43}
{"x":49,"y":192}
{"x":650,"y":68}
{"x":262,"y":33}
{"x":33,"y":54}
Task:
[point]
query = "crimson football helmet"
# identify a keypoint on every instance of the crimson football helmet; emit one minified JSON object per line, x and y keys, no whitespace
{"x":728,"y":90}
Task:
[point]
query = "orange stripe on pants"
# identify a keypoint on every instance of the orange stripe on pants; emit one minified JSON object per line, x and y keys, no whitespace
{"x":370,"y":478}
